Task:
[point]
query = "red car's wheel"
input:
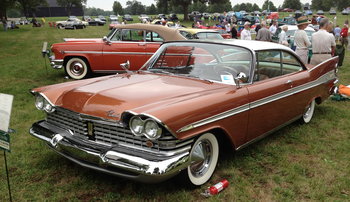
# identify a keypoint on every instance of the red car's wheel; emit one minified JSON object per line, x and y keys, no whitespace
{"x":77,"y":68}
{"x":204,"y":157}
{"x":309,"y":112}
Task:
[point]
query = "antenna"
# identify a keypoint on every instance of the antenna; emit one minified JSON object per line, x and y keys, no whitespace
{"x":45,"y":52}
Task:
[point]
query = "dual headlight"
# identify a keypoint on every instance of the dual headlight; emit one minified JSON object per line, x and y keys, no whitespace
{"x":42,"y":104}
{"x":147,"y":127}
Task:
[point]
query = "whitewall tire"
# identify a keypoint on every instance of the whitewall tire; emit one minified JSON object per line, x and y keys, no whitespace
{"x":309,"y":112}
{"x":77,"y":68}
{"x":204,"y":157}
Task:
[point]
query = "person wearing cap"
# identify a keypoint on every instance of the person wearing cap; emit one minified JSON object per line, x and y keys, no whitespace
{"x":323,"y":43}
{"x":245,"y":34}
{"x":263,"y":34}
{"x":301,"y":41}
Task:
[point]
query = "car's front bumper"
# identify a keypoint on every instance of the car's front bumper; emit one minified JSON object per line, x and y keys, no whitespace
{"x":114,"y":160}
{"x":55,"y":63}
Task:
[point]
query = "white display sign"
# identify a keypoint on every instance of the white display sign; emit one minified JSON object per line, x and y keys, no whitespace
{"x":5,"y":111}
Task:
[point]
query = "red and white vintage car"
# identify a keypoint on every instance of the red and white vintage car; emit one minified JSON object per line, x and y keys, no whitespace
{"x":185,"y":103}
{"x":134,"y":42}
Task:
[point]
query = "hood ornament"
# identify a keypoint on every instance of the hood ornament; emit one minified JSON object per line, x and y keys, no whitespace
{"x":111,"y":113}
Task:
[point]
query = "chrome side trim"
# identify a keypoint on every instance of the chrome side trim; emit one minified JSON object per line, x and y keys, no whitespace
{"x":323,"y":79}
{"x":215,"y":118}
{"x":110,"y":53}
{"x":267,"y":133}
{"x":312,"y":69}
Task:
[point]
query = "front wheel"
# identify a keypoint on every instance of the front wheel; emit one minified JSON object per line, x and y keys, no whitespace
{"x":77,"y":68}
{"x":309,"y":112}
{"x":204,"y":157}
{"x":59,"y":26}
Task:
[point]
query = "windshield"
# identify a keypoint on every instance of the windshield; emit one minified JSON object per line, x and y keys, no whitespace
{"x":206,"y":61}
{"x":208,"y":35}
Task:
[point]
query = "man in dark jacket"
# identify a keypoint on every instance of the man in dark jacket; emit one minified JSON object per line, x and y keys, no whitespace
{"x":234,"y":31}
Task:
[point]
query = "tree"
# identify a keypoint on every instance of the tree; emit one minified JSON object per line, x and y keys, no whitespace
{"x":198,"y":6}
{"x":294,"y":4}
{"x":135,"y":7}
{"x":255,"y":7}
{"x":184,"y":4}
{"x":29,"y":6}
{"x":268,"y":5}
{"x":325,"y":4}
{"x":4,"y":6}
{"x":118,"y":8}
{"x":341,"y":4}
{"x":69,"y":4}
{"x":163,"y":6}
{"x":151,"y":10}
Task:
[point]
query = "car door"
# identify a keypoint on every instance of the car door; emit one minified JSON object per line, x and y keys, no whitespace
{"x":125,"y":45}
{"x":270,"y":104}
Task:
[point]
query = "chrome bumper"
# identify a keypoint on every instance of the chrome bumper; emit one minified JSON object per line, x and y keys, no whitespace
{"x":56,"y":64}
{"x":114,"y":160}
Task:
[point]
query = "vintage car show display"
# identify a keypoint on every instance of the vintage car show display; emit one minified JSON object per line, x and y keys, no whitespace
{"x":80,"y":57}
{"x":71,"y":23}
{"x":175,"y":113}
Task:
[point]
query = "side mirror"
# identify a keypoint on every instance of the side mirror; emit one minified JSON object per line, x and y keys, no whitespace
{"x":106,"y":40}
{"x":240,"y":78}
{"x":125,"y":65}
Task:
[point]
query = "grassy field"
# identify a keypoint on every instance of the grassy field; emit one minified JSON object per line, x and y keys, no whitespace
{"x":299,"y":162}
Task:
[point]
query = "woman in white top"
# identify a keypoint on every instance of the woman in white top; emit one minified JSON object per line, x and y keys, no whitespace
{"x":283,"y":36}
{"x":301,"y":41}
{"x":245,"y":34}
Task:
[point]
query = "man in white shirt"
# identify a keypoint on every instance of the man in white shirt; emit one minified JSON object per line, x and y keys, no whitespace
{"x":245,"y":34}
{"x":323,"y":43}
{"x":273,"y":27}
{"x":301,"y":40}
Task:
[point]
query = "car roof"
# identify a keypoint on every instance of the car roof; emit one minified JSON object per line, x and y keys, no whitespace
{"x":295,"y":27}
{"x":168,"y":34}
{"x":250,"y":44}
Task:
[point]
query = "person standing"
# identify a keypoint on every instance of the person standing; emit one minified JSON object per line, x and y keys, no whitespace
{"x":234,"y":31}
{"x":263,"y":34}
{"x":273,"y":27}
{"x":245,"y":34}
{"x":344,"y":34}
{"x":337,"y":31}
{"x":4,"y":23}
{"x":228,"y":28}
{"x":301,"y":41}
{"x":282,"y":38}
{"x":323,"y":43}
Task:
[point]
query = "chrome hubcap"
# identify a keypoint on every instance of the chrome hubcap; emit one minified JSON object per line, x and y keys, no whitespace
{"x":77,"y":68}
{"x":201,"y":157}
{"x":307,"y":112}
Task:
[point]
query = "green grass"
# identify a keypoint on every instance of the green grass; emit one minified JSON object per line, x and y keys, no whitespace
{"x":299,"y":162}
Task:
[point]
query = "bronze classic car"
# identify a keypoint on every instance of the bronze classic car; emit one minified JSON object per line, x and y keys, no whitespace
{"x":177,"y":111}
{"x":134,"y":42}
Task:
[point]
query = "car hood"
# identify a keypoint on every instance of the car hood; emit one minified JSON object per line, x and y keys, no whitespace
{"x":82,"y":40}
{"x":165,"y":97}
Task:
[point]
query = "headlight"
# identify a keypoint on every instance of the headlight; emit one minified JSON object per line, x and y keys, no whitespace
{"x":42,"y":104}
{"x":136,"y":125}
{"x":39,"y":102}
{"x":152,"y":130}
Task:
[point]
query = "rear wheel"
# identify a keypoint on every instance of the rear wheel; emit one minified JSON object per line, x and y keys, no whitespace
{"x":204,"y":157}
{"x":309,"y":112}
{"x":77,"y":68}
{"x":60,"y":26}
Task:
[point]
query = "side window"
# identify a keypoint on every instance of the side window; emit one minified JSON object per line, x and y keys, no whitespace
{"x":268,"y":65}
{"x":186,"y":35}
{"x":290,"y":64}
{"x":132,"y":35}
{"x":153,"y":37}
{"x":116,"y":36}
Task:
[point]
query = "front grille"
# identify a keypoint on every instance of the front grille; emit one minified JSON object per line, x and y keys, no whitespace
{"x":112,"y":134}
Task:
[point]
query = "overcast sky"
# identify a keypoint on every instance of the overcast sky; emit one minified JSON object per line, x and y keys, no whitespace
{"x":107,"y":4}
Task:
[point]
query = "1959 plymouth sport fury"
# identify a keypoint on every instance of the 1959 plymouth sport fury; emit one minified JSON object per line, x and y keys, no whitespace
{"x":134,"y":42}
{"x":174,"y":114}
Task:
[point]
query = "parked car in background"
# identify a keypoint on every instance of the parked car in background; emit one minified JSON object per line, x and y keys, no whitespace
{"x":345,"y":12}
{"x":173,"y":17}
{"x":206,"y":16}
{"x":97,"y":22}
{"x":320,"y":12}
{"x":224,"y":33}
{"x":112,"y":24}
{"x":288,"y":10}
{"x":101,"y":17}
{"x":257,"y":13}
{"x":86,"y":18}
{"x":144,"y":18}
{"x":187,"y":103}
{"x":127,"y":17}
{"x":81,"y":57}
{"x":23,"y":21}
{"x":71,"y":23}
{"x":243,"y":12}
{"x":332,"y":12}
{"x":113,"y":18}
{"x":72,"y":17}
{"x":196,"y":14}
{"x":162,"y":16}
{"x":287,"y":21}
{"x":191,"y":33}
{"x":297,"y":14}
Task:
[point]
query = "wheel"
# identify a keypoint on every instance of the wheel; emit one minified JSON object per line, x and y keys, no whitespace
{"x":309,"y":112}
{"x":60,"y":26}
{"x":204,"y":157}
{"x":77,"y":68}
